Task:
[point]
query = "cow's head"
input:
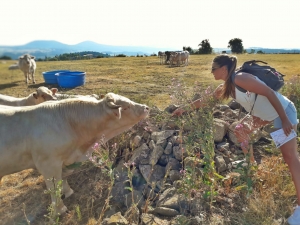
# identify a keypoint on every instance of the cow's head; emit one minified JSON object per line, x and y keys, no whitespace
{"x":26,"y":59}
{"x":125,"y":109}
{"x":173,"y":55}
{"x":43,"y":94}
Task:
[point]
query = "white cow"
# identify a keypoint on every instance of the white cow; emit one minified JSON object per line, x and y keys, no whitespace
{"x":179,"y":57}
{"x":28,"y":66}
{"x":41,"y":94}
{"x":55,"y":134}
{"x":14,"y":66}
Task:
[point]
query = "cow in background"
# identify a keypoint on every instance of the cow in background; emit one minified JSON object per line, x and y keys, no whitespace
{"x":28,"y":66}
{"x":161,"y":56}
{"x":41,"y":94}
{"x":179,"y":57}
{"x":168,"y":54}
{"x":14,"y":66}
{"x":55,"y":134}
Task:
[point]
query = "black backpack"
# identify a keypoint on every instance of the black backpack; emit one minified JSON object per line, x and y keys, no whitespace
{"x":267,"y":74}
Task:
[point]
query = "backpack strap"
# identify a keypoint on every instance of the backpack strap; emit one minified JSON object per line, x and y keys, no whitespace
{"x":232,"y":77}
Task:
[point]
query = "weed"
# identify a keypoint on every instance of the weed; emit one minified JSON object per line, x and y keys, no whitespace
{"x":57,"y":193}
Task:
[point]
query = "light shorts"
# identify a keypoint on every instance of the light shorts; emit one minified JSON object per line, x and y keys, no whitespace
{"x":291,"y":113}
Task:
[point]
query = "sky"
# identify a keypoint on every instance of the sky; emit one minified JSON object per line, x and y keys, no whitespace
{"x":154,"y":23}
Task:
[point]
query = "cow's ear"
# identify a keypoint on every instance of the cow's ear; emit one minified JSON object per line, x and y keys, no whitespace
{"x":32,"y":57}
{"x":54,"y":90}
{"x":35,"y":95}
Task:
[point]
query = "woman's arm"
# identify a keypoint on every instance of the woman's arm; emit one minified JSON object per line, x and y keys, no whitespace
{"x":200,"y":102}
{"x":249,"y":83}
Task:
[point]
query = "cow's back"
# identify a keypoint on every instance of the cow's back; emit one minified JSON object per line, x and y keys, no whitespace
{"x":8,"y":100}
{"x":26,"y":134}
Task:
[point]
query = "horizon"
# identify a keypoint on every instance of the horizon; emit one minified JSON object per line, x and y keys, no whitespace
{"x":252,"y":47}
{"x":157,"y":24}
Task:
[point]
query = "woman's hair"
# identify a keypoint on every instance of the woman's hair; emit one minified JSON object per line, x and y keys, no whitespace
{"x":230,"y":62}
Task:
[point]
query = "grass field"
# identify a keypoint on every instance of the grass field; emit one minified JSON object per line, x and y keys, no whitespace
{"x":143,"y":80}
{"x":139,"y":78}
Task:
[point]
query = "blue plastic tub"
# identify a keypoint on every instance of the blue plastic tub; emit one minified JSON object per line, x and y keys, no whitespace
{"x":49,"y":76}
{"x":70,"y":79}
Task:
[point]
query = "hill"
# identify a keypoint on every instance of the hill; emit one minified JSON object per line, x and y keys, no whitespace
{"x":42,"y":49}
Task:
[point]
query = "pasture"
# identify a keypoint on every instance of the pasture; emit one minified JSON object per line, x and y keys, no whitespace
{"x":139,"y":78}
{"x":143,"y":80}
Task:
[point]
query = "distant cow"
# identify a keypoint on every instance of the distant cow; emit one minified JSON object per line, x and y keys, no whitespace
{"x":55,"y":134}
{"x":13,"y":66}
{"x":28,"y":66}
{"x":161,"y":56}
{"x":179,"y":57}
{"x":41,"y":94}
{"x":168,"y":54}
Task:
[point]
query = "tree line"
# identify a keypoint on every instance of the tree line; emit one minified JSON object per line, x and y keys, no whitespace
{"x":235,"y":44}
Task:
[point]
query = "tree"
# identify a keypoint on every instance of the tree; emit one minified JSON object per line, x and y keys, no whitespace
{"x":205,"y":47}
{"x":189,"y":49}
{"x":5,"y":57}
{"x":252,"y":51}
{"x":236,"y":45}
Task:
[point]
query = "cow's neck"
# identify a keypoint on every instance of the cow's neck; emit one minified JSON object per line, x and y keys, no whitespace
{"x":26,"y":101}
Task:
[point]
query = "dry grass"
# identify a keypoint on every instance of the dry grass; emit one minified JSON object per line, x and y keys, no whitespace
{"x":141,"y":78}
{"x":145,"y":81}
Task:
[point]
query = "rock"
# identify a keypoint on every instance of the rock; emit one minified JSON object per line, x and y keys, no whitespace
{"x":233,"y":104}
{"x":116,"y":219}
{"x":140,"y":155}
{"x":165,"y":211}
{"x":149,"y":219}
{"x":220,"y":129}
{"x":180,"y":152}
{"x":156,"y":154}
{"x":171,"y":202}
{"x":174,"y":175}
{"x":118,"y":192}
{"x":169,"y":148}
{"x":173,"y":164}
{"x":135,"y":196}
{"x":152,"y":174}
{"x":158,"y":137}
{"x":221,"y":165}
{"x":132,"y":215}
{"x":137,"y":178}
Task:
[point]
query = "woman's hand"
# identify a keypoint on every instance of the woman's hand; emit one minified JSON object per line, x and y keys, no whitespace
{"x":287,"y":126}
